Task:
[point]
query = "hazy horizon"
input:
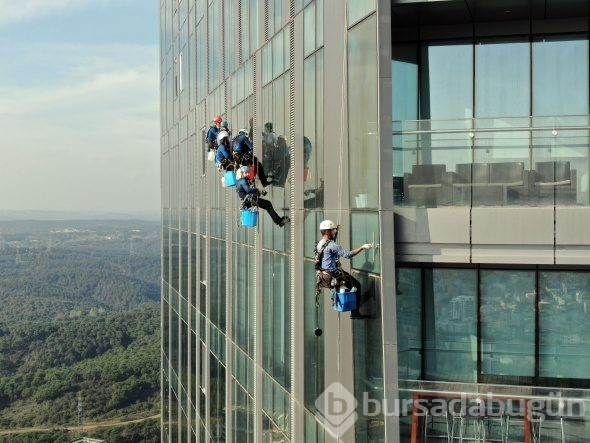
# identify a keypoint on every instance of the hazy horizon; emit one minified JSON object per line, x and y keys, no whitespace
{"x":79,"y":106}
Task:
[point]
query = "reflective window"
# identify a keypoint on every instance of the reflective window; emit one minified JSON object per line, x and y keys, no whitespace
{"x":560,"y":77}
{"x":409,"y":322}
{"x":312,"y":233}
{"x":357,"y":9}
{"x":243,"y":415}
{"x":276,"y":403}
{"x":313,"y":130}
{"x":243,"y":293}
{"x":368,"y":372}
{"x":446,"y":81}
{"x":502,"y":79}
{"x":365,"y":229}
{"x":254,"y":26}
{"x":217,"y":399}
{"x":507,"y":299}
{"x":183,"y":344}
{"x":194,"y":271}
{"x":276,"y":334}
{"x":404,"y":72}
{"x":314,"y":432}
{"x":309,"y":36}
{"x":218,"y":279}
{"x":276,"y":158}
{"x":166,"y":328}
{"x":362,"y":115}
{"x":450,"y":324}
{"x":214,"y":48}
{"x":564,"y":324}
{"x":313,"y":350}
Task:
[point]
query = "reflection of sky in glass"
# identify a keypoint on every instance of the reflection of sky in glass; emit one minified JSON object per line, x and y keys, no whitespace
{"x":447,"y":79}
{"x":502,"y":85}
{"x":560,"y":77}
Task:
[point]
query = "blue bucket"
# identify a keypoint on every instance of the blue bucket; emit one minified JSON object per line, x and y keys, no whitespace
{"x":249,"y":218}
{"x":230,"y":178}
{"x":343,"y":301}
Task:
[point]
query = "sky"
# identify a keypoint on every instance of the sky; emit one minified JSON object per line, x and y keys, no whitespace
{"x":79,"y":105}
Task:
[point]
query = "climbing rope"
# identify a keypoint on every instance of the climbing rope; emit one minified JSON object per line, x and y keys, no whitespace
{"x":343,"y":110}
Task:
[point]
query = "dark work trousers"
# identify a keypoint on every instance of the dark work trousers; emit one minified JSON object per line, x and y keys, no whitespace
{"x":247,"y":159}
{"x":267,"y":206}
{"x":259,"y":171}
{"x":349,"y":282}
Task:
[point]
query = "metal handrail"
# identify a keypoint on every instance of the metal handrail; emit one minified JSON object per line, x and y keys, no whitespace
{"x":476,"y":130}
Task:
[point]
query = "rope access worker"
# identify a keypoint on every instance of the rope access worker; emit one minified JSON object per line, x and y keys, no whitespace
{"x":224,"y":127}
{"x":250,"y":196}
{"x":213,"y":132}
{"x":223,"y":156}
{"x":329,"y":273}
{"x":244,"y":155}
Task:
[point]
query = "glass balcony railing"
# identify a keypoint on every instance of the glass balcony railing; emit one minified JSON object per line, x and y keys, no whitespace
{"x":436,"y":411}
{"x":526,"y":161}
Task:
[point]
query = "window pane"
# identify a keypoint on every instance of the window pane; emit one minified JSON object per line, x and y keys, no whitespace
{"x":309,"y":26}
{"x":313,"y":345}
{"x":507,"y":299}
{"x":362,"y":115}
{"x":365,"y":229}
{"x":409,"y":322}
{"x":404,"y":67}
{"x":502,"y":79}
{"x":276,"y":318}
{"x":368,"y":372}
{"x":451,"y":325}
{"x":313,"y":130}
{"x":560,"y":77}
{"x":564,"y":326}
{"x":447,"y":81}
{"x":312,"y":234}
{"x":319,"y":23}
{"x":358,"y":9}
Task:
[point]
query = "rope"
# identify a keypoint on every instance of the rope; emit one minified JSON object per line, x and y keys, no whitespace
{"x":342,"y":117}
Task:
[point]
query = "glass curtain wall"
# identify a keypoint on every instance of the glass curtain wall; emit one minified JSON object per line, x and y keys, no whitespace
{"x":363,"y":187}
{"x":313,"y":191}
{"x":501,"y":326}
{"x":462,"y":110}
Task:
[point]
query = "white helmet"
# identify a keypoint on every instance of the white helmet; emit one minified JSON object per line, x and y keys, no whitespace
{"x":327,"y":224}
{"x":223,"y":134}
{"x":244,"y":131}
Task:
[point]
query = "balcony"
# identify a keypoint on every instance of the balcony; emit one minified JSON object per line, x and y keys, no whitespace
{"x":519,"y":161}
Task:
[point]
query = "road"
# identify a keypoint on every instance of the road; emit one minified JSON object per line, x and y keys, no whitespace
{"x":86,"y":427}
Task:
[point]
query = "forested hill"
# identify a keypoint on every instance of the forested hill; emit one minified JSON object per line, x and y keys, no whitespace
{"x":112,"y":361}
{"x":79,"y":316}
{"x":64,"y":269}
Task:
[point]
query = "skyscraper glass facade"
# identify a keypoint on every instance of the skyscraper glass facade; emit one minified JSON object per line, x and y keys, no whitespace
{"x":454,"y":137}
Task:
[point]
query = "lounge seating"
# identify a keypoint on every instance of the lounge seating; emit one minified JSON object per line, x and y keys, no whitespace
{"x":490,"y":183}
{"x":427,"y":185}
{"x":502,"y":183}
{"x":553,"y":182}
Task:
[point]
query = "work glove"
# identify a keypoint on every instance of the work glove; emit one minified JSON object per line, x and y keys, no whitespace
{"x":367,"y":246}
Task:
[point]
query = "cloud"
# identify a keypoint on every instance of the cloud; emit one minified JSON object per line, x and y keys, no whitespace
{"x":24,"y":10}
{"x":90,"y":139}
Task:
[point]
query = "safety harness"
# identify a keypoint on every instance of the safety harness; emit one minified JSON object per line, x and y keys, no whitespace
{"x":319,"y":271}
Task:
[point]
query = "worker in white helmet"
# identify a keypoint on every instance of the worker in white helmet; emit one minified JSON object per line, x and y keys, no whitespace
{"x":328,"y":268}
